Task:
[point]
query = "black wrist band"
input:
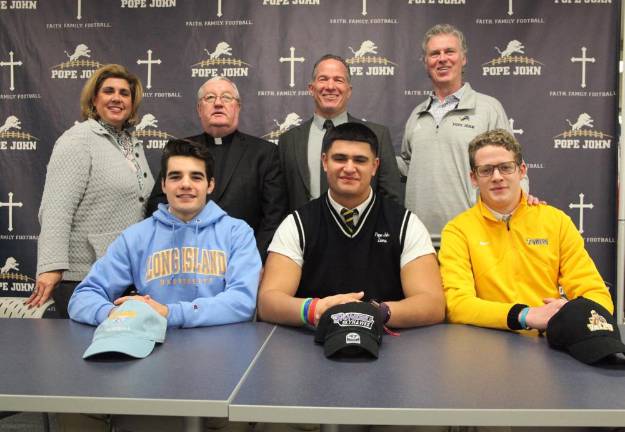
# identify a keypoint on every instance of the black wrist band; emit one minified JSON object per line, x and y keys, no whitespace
{"x":513,"y":316}
{"x":385,"y":311}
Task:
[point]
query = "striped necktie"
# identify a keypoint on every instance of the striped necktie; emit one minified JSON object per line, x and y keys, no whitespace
{"x":348,"y":217}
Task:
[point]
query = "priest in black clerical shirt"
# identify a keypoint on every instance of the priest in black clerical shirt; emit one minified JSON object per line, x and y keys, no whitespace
{"x":248,"y":181}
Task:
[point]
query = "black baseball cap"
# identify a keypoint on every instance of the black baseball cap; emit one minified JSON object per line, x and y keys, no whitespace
{"x":350,"y":329}
{"x":586,"y":330}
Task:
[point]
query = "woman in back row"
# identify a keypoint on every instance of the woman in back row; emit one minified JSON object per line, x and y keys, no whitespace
{"x":97,"y":184}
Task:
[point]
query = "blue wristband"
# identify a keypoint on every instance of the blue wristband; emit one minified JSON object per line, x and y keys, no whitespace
{"x":304,"y":310}
{"x":522,"y":317}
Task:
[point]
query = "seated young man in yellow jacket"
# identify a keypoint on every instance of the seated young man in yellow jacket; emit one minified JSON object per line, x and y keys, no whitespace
{"x":503,"y":262}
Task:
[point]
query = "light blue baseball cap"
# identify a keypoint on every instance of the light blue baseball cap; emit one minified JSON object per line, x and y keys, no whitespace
{"x":133,"y":329}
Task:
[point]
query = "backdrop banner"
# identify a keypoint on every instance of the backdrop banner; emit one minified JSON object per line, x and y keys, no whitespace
{"x":553,"y":64}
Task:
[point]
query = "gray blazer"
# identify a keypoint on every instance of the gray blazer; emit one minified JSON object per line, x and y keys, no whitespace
{"x":90,"y":196}
{"x":293,"y":149}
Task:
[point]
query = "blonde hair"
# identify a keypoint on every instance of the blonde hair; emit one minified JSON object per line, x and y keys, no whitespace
{"x":94,"y":83}
{"x":498,"y":138}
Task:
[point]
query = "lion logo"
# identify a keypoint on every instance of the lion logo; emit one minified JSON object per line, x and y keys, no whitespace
{"x":10,"y":264}
{"x":291,"y":120}
{"x":81,"y":50}
{"x":148,"y":120}
{"x":583,"y":120}
{"x":367,"y":47}
{"x":514,"y":46}
{"x":222,"y":55}
{"x":222,"y":48}
{"x":148,"y":128}
{"x":11,"y":122}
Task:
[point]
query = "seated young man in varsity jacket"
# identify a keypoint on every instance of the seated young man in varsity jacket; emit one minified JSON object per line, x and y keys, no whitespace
{"x":190,"y":261}
{"x":503,"y":262}
{"x":351,"y":244}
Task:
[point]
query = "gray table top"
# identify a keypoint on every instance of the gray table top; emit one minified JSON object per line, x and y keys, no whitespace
{"x":440,"y":375}
{"x":194,"y":373}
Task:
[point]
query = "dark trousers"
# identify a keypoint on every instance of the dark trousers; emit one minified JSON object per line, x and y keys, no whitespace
{"x":61,"y":295}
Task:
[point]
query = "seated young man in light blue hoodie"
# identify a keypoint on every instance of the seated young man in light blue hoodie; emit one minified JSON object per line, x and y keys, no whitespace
{"x":190,"y":261}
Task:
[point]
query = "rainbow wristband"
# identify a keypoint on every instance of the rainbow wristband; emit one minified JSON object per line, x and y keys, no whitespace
{"x":304,"y":310}
{"x":311,"y":311}
{"x":522,"y":318}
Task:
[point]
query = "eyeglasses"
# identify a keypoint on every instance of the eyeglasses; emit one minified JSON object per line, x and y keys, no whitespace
{"x":225,"y":98}
{"x":504,"y":168}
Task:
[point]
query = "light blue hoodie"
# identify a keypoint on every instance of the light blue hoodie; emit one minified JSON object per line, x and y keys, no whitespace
{"x":206,"y":271}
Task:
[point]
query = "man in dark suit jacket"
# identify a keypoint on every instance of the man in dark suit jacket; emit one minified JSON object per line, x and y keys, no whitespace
{"x":248,"y":179}
{"x":300,"y":147}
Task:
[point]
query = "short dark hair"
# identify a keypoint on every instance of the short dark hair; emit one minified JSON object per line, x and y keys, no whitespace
{"x":498,"y":138}
{"x":182,"y":147}
{"x":351,"y":131}
{"x":331,"y":57}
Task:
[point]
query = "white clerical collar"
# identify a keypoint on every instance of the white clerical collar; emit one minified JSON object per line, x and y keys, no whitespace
{"x":218,"y":141}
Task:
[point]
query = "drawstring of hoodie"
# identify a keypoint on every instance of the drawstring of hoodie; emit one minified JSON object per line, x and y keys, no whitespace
{"x":197,"y":248}
{"x":195,"y":244}
{"x":173,"y":245}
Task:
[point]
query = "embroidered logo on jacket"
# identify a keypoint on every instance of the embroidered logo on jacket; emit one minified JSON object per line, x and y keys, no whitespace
{"x":537,"y":242}
{"x":464,"y":125}
{"x":382,"y":237}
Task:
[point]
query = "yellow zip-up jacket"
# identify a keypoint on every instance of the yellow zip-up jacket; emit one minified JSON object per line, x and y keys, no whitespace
{"x":488,"y":266}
